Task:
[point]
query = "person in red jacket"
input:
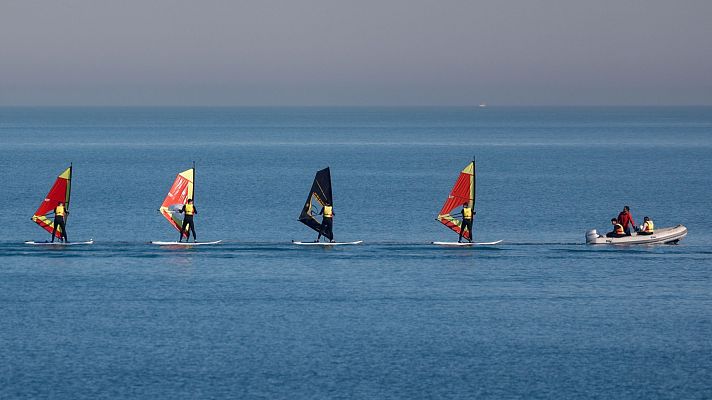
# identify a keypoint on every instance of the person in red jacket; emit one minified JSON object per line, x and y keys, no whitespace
{"x":625,"y":218}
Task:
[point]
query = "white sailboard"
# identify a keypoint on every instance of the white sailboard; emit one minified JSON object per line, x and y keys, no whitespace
{"x":187,"y":244}
{"x":327,"y":244}
{"x":467,"y":244}
{"x":58,"y":244}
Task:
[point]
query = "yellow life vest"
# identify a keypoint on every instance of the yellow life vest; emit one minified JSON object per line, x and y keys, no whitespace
{"x":649,"y":226}
{"x":189,"y":209}
{"x":59,"y":211}
{"x":328,"y":212}
{"x":467,"y":212}
{"x":619,"y":229}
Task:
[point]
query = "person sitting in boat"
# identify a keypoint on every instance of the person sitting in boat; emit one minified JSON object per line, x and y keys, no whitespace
{"x":327,"y":223}
{"x":625,"y":218}
{"x":648,"y":227}
{"x":59,"y":213}
{"x":618,"y":230}
{"x":189,"y":210}
{"x":467,"y":214}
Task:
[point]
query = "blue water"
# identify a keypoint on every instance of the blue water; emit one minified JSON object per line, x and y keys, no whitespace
{"x":540,"y":316}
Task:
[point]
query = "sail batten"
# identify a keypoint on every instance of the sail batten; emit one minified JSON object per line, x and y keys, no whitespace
{"x":462,"y":192}
{"x":178,"y":195}
{"x":60,"y":192}
{"x":319,"y":194}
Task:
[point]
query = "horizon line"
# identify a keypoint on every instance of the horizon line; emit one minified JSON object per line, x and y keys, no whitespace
{"x":476,"y":106}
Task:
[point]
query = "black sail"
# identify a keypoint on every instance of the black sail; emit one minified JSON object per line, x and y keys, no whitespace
{"x":319,"y":195}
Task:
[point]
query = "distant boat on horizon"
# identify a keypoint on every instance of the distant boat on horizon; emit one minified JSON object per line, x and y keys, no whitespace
{"x":483,"y":105}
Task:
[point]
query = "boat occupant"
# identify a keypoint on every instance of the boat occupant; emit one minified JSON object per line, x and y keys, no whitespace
{"x":648,"y":227}
{"x":625,"y":218}
{"x":188,"y":226}
{"x":618,"y":230}
{"x":467,"y":214}
{"x":327,"y":223}
{"x":59,"y":214}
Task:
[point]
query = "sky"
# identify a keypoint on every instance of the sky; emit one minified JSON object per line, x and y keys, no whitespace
{"x":355,"y":53}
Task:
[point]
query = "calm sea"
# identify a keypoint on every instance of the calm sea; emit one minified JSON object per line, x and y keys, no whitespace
{"x":540,"y":316}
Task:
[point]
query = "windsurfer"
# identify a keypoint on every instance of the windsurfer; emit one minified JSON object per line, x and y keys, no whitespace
{"x":467,"y":214}
{"x":327,"y":222}
{"x":59,"y":212}
{"x":618,"y":230}
{"x":625,"y":218}
{"x":188,"y":226}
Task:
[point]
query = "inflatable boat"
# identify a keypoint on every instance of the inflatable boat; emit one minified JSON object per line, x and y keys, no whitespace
{"x":670,"y":235}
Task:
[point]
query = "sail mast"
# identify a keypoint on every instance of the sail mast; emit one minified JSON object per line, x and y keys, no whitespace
{"x":69,"y":193}
{"x":474,"y":185}
{"x":193,"y":194}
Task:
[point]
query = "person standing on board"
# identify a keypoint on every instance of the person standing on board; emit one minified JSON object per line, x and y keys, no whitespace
{"x":59,"y":214}
{"x":467,"y":214}
{"x":625,"y":218}
{"x":189,"y":210}
{"x":327,"y":223}
{"x":618,"y":230}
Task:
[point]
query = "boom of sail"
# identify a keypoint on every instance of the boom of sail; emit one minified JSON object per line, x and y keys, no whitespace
{"x":463,"y":192}
{"x":319,"y":195}
{"x":60,"y":192}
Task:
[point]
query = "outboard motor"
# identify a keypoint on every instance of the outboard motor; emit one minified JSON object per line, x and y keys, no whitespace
{"x":591,"y":236}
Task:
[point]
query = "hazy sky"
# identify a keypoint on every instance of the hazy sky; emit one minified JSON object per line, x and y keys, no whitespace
{"x":313,"y":52}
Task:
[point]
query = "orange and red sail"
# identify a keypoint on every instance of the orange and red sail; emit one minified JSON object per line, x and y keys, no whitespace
{"x":463,"y":192}
{"x":178,"y":195}
{"x":60,"y":192}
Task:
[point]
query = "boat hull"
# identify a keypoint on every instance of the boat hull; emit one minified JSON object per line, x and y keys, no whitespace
{"x":670,"y":235}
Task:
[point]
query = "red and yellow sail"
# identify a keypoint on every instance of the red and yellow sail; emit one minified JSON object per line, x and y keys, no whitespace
{"x":60,"y":192}
{"x":463,"y":192}
{"x":178,"y":195}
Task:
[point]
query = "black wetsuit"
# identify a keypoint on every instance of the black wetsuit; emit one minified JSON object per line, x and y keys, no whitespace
{"x":188,"y":225}
{"x":327,"y":226}
{"x":326,"y":229}
{"x":466,"y":224}
{"x":59,"y":222}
